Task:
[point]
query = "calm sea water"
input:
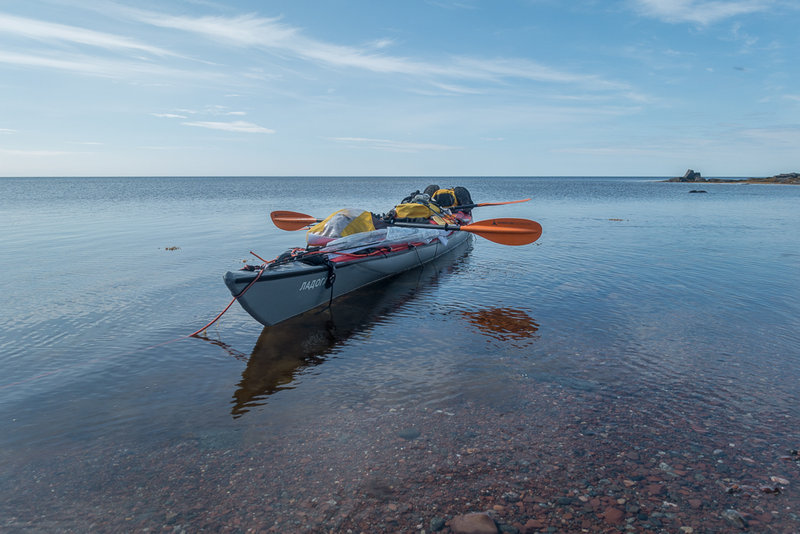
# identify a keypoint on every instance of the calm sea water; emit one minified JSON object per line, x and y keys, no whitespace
{"x":646,"y":318}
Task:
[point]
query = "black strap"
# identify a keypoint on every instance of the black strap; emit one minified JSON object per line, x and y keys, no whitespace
{"x":322,"y":259}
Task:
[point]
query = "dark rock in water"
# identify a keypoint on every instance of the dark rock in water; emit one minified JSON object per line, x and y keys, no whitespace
{"x":533,"y":525}
{"x":690,"y":176}
{"x":698,"y":191}
{"x":378,"y":488}
{"x":437,"y":524}
{"x":473,"y":524}
{"x":735,"y":518}
{"x":613,"y":515}
{"x":409,"y":434}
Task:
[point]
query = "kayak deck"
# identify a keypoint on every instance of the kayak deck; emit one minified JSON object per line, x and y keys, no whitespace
{"x":293,"y":284}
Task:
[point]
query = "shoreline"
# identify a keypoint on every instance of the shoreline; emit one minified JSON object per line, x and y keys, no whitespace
{"x":691,"y":177}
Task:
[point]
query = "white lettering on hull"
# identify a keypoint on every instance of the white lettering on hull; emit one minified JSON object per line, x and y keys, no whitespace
{"x":312,"y":284}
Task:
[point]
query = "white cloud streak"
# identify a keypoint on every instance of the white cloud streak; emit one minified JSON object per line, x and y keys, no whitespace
{"x":457,"y":89}
{"x":50,"y":32}
{"x":381,"y":43}
{"x":108,"y":68}
{"x":235,"y":126}
{"x":169,"y":116}
{"x":703,"y":12}
{"x":81,"y":65}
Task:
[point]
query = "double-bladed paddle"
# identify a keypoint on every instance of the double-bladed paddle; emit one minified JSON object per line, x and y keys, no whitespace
{"x":291,"y":220}
{"x":506,"y":231}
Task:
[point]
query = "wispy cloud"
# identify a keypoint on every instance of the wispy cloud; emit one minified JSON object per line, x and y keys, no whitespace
{"x":79,"y":64}
{"x":380,"y":43}
{"x":169,"y":116}
{"x":502,"y":68}
{"x":235,"y":126}
{"x":271,"y":34}
{"x":390,"y":145}
{"x":702,"y":12}
{"x":52,"y":46}
{"x":451,"y":73}
{"x":7,"y":131}
{"x":50,"y":32}
{"x":747,"y":40}
{"x":450,"y":89}
{"x":91,"y":65}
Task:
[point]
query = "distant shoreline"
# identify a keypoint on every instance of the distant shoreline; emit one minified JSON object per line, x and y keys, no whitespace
{"x":791,"y":178}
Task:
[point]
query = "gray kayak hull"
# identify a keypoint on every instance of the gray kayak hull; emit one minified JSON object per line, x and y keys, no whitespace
{"x":285,"y":290}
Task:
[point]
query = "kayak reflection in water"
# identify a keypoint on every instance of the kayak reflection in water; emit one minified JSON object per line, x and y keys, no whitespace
{"x":283,"y":351}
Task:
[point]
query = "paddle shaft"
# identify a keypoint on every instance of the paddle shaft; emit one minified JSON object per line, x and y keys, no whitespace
{"x":427,"y":226}
{"x":291,"y":220}
{"x":481,"y":204}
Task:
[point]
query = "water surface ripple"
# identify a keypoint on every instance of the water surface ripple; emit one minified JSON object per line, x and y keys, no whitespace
{"x":644,"y":351}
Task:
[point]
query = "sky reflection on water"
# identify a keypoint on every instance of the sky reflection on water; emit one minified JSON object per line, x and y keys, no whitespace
{"x":639,"y":299}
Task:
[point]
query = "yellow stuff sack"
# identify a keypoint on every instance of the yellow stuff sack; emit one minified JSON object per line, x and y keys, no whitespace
{"x":446,"y":198}
{"x":413,"y":210}
{"x":340,"y":224}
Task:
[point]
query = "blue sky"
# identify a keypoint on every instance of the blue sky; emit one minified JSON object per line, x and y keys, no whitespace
{"x":425,"y":87}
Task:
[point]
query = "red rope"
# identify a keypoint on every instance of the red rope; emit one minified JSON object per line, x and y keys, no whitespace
{"x":260,"y":272}
{"x":259,"y":257}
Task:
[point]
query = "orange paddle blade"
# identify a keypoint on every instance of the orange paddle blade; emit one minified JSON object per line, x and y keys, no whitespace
{"x":506,"y":231}
{"x":291,"y":220}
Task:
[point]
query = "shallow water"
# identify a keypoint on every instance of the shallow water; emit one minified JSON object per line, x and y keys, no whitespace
{"x":647,"y":326}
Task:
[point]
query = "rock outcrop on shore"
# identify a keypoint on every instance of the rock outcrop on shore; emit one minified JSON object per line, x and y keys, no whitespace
{"x":690,"y":176}
{"x":695,"y":177}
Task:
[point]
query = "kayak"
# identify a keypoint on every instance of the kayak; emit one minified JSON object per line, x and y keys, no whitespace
{"x":303,"y":279}
{"x":351,"y":249}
